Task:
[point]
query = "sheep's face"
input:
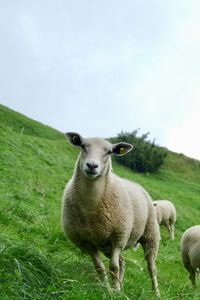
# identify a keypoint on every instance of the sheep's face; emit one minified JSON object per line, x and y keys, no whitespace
{"x":95,"y":154}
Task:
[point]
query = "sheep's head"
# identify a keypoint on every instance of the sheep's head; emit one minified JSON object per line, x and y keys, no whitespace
{"x":95,"y":153}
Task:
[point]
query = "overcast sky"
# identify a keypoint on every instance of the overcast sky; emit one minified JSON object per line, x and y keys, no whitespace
{"x":100,"y":67}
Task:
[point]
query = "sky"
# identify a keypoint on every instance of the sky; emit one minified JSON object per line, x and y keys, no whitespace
{"x":100,"y":67}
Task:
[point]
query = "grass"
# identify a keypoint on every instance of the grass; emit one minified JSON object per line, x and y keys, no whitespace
{"x":36,"y":261}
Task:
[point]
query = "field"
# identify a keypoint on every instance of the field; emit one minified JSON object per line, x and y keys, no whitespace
{"x":36,"y":261}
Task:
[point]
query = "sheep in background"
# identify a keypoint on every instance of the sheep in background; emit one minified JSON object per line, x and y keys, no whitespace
{"x":190,"y":251}
{"x":166,"y":215}
{"x":104,"y":213}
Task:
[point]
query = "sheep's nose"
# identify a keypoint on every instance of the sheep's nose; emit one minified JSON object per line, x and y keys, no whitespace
{"x":92,"y":165}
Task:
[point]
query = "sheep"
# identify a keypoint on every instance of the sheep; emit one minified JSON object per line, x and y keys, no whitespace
{"x":166,"y":215}
{"x":190,"y":251}
{"x":103,"y":213}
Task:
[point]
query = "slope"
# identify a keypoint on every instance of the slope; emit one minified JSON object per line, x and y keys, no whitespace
{"x":36,"y":260}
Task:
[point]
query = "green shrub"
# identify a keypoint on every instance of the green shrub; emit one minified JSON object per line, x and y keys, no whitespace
{"x":145,"y":157}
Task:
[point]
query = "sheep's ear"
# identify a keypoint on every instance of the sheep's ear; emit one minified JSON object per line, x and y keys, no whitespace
{"x":74,"y":138}
{"x":121,"y":148}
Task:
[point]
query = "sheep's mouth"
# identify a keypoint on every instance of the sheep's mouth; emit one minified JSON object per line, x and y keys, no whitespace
{"x":91,"y":174}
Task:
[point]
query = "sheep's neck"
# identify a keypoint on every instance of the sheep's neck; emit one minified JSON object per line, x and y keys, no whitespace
{"x":91,"y":191}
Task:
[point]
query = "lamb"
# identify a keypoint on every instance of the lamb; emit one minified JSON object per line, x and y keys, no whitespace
{"x":190,"y":251}
{"x":166,"y":215}
{"x":103,"y":213}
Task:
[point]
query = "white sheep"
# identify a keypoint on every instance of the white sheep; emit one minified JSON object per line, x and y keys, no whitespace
{"x":190,"y":251}
{"x":104,"y":213}
{"x":166,"y":215}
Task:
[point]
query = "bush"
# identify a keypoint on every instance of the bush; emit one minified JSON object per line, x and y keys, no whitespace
{"x":145,"y":157}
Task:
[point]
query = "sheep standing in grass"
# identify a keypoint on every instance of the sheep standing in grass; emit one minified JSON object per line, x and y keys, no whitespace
{"x":190,"y":251}
{"x":166,"y":215}
{"x":104,"y":213}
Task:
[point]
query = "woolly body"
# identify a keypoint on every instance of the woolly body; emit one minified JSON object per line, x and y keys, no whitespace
{"x":166,"y":215}
{"x":190,"y":251}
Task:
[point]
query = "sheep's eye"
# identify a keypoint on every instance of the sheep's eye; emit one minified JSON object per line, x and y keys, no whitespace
{"x":74,"y":138}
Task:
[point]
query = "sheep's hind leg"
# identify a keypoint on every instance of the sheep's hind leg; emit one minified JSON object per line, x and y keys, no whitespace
{"x":150,"y":257}
{"x":169,"y":229}
{"x":100,"y":268}
{"x":172,"y":231}
{"x":115,"y":265}
{"x":193,"y":277}
{"x":121,"y":269}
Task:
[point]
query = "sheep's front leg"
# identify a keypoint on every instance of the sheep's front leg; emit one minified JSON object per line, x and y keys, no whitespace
{"x":115,"y":268}
{"x":100,"y":268}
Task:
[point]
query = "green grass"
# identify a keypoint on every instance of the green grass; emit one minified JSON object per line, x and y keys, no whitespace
{"x":36,"y":261}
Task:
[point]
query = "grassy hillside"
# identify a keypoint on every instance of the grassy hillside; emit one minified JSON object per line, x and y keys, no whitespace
{"x":36,"y":261}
